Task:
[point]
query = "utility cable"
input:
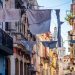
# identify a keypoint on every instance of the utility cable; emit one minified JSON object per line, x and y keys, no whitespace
{"x":59,"y":5}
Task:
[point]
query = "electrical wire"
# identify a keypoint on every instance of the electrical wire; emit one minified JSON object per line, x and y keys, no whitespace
{"x":61,"y":4}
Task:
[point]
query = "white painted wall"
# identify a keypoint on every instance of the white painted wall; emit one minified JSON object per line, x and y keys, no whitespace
{"x":12,"y":59}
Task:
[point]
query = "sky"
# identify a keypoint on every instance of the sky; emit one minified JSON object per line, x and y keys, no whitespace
{"x":64,"y":6}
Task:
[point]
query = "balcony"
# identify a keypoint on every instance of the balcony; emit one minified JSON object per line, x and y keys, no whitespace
{"x":46,"y":58}
{"x":23,"y":44}
{"x":6,"y":43}
{"x":32,"y":68}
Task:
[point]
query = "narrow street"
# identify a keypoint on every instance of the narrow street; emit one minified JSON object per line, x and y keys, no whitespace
{"x":37,"y":37}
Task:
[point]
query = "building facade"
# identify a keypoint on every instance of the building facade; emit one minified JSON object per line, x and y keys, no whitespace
{"x":71,"y":36}
{"x":44,"y":59}
{"x":20,"y":62}
{"x":60,"y":52}
{"x":48,"y":57}
{"x":6,"y":47}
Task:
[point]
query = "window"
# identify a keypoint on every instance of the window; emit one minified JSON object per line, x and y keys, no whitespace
{"x":71,"y":44}
{"x":16,"y":67}
{"x":1,"y":25}
{"x":25,"y":19}
{"x":74,"y":51}
{"x":16,"y":26}
{"x":18,"y":3}
{"x":8,"y":66}
{"x":24,"y":68}
{"x":7,"y":26}
{"x":21,"y":68}
{"x":24,"y":29}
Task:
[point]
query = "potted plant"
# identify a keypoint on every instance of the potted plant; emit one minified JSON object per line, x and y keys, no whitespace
{"x":70,"y":18}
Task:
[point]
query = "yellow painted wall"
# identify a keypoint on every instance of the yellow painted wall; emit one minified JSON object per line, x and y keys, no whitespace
{"x":53,"y":63}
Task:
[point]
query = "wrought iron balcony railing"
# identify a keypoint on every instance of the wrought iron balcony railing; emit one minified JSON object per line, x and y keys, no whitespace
{"x":6,"y":42}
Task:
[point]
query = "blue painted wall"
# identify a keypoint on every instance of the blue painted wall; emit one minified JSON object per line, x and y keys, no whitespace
{"x":2,"y":65}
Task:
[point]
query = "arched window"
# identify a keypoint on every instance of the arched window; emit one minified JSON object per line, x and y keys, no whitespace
{"x":16,"y":66}
{"x":8,"y":67}
{"x":24,"y":68}
{"x":21,"y":68}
